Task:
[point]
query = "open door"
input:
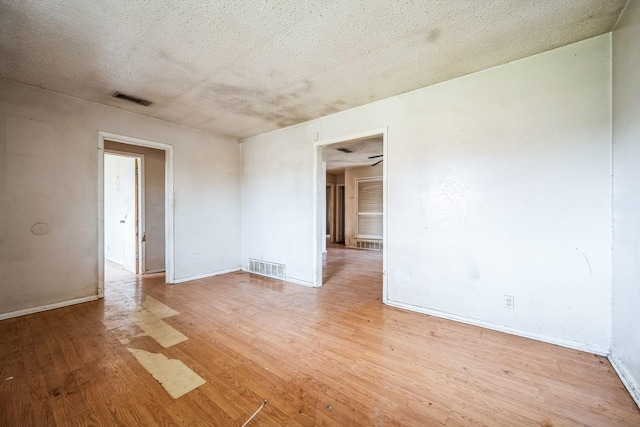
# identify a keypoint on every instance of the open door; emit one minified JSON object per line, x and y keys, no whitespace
{"x":164,"y":253}
{"x":121,"y":211}
{"x":130,"y":219}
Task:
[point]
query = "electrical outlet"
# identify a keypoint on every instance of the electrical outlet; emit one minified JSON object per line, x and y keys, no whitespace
{"x":508,"y":302}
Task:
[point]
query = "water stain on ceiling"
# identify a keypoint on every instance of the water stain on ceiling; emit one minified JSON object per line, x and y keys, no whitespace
{"x":242,"y":68}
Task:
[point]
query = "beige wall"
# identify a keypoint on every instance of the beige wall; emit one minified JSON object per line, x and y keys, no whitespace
{"x":49,"y":151}
{"x":350,"y":176}
{"x":154,"y":165}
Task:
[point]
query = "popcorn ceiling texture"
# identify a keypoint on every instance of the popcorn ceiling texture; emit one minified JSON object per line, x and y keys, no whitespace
{"x":360,"y":154}
{"x":245,"y":67}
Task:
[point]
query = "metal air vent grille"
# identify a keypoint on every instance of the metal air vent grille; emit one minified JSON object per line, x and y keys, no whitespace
{"x":130,"y":98}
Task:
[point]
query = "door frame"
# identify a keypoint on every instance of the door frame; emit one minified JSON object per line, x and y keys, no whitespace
{"x":332,"y":214}
{"x":140,"y":206}
{"x":340,"y":189}
{"x":319,"y":193}
{"x":169,"y":224}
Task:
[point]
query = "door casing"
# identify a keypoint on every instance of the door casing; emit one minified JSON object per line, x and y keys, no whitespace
{"x":319,"y":194}
{"x":169,"y":210}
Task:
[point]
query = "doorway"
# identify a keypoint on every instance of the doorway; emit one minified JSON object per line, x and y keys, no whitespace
{"x":123,"y":210}
{"x":152,"y":198}
{"x":339,"y":234}
{"x":347,"y":158}
{"x":330,"y":213}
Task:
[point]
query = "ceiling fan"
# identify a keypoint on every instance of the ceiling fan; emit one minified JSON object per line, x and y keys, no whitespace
{"x":374,"y":157}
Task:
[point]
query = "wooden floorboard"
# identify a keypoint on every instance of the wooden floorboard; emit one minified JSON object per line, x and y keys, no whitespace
{"x":333,"y":356}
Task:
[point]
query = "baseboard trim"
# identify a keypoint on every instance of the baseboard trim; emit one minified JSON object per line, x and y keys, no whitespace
{"x":299,"y":282}
{"x":157,"y":270}
{"x":575,"y":345}
{"x":114,"y":260}
{"x":46,"y":307}
{"x":287,"y":279}
{"x":204,"y":276}
{"x":625,"y":377}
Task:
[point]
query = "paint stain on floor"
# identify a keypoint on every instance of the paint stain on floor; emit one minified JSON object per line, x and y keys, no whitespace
{"x":148,"y":317}
{"x":159,"y":309}
{"x":176,"y":377}
{"x":156,"y":328}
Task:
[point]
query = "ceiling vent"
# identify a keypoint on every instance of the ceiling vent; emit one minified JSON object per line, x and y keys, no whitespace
{"x":344,"y":150}
{"x":132,"y":99}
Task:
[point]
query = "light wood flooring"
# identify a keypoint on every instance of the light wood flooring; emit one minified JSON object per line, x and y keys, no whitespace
{"x":332,"y":356}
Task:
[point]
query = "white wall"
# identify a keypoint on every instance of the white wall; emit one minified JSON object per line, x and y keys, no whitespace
{"x":277,"y":200}
{"x":625,"y":351}
{"x":350,"y":209}
{"x":49,"y":174}
{"x":498,"y":184}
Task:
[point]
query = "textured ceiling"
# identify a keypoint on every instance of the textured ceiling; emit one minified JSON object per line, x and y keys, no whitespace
{"x":361,"y":150}
{"x":245,"y":67}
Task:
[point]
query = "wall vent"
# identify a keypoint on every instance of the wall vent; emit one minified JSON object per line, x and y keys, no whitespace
{"x":372,"y":245}
{"x":269,"y":269}
{"x":139,"y":101}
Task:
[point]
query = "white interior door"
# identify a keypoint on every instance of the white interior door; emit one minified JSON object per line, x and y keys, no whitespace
{"x":120,"y":210}
{"x":128,"y":220}
{"x":113,"y":230}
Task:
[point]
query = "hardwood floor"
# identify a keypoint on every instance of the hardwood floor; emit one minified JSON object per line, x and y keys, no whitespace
{"x":328,"y":356}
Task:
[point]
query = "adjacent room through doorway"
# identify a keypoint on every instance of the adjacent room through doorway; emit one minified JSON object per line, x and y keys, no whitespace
{"x":134,"y":211}
{"x":354,"y":206}
{"x":122,"y":193}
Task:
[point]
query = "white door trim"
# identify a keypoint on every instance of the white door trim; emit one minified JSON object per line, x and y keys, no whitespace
{"x":320,"y":191}
{"x":169,"y":211}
